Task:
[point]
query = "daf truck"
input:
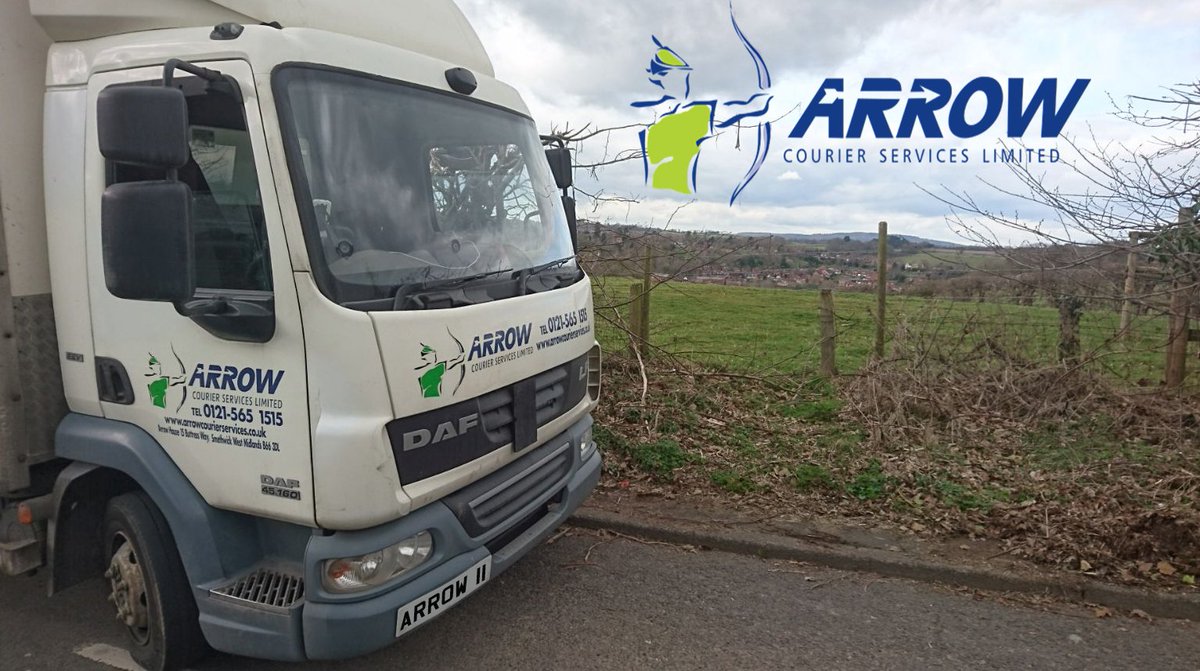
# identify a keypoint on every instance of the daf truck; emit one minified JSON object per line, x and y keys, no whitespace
{"x":295,"y":352}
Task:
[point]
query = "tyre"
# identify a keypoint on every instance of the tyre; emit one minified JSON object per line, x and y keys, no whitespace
{"x":148,"y":585}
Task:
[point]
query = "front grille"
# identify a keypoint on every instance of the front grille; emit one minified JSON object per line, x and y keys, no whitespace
{"x":501,"y":503}
{"x":265,"y":587}
{"x":496,"y":411}
{"x":437,"y":441}
{"x":534,"y":478}
{"x":550,"y":393}
{"x":502,"y":541}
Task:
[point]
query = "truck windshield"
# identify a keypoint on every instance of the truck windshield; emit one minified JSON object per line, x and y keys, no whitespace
{"x":413,"y":198}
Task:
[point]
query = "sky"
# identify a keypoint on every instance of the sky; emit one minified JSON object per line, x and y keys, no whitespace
{"x":584,"y":63}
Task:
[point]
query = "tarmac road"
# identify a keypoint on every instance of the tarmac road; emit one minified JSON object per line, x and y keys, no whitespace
{"x":592,"y":602}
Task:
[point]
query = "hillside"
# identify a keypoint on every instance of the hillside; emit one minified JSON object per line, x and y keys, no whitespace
{"x":859,"y":236}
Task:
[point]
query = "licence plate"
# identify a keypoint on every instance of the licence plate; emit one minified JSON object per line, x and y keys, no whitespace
{"x":419,"y":611}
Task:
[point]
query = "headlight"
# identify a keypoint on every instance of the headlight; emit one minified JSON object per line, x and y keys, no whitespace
{"x":354,"y":574}
{"x":587,"y":445}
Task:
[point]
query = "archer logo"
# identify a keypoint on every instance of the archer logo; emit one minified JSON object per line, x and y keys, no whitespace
{"x":435,"y":366}
{"x":161,"y":378}
{"x":671,"y":145}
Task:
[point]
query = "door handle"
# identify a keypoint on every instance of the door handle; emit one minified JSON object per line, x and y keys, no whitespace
{"x":112,"y":381}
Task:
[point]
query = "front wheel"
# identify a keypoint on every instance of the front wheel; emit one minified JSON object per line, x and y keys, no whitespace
{"x":148,"y":585}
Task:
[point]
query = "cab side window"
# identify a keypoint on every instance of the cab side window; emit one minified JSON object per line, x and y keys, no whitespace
{"x":229,"y":235}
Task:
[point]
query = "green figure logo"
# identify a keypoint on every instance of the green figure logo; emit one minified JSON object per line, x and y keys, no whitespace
{"x":671,"y":145}
{"x":159,"y":383}
{"x":435,"y":369}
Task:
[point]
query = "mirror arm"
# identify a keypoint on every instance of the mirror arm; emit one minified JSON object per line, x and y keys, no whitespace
{"x":214,"y":78}
{"x":175,"y":64}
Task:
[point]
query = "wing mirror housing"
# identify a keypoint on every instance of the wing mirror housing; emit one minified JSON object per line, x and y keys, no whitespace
{"x":146,"y":238}
{"x":561,"y":167}
{"x":143,"y":125}
{"x":145,"y":227}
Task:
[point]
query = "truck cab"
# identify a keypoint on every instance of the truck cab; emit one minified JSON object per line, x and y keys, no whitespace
{"x":325,"y":354}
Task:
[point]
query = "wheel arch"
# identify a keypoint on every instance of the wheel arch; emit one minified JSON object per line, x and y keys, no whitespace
{"x":112,"y":458}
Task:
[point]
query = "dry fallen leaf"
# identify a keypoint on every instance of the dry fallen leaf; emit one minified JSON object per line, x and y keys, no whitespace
{"x":1145,"y":566}
{"x":1165,"y":568}
{"x":1142,"y":614}
{"x":1102,"y":612}
{"x":1085,"y":565}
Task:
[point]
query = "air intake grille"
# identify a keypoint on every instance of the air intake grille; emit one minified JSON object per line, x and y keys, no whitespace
{"x":437,"y":441}
{"x":551,"y":391}
{"x":266,"y":587}
{"x":494,"y":501}
{"x":500,"y":504}
{"x":496,"y":409}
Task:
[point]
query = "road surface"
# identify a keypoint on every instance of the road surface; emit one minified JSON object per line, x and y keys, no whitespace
{"x":588,"y":601}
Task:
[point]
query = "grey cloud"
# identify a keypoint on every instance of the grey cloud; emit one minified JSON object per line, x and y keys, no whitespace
{"x":608,"y":45}
{"x":585,"y":62}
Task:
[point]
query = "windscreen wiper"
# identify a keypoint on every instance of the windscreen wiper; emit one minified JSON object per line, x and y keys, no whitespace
{"x":535,"y":271}
{"x":413,"y":292}
{"x":451,"y":282}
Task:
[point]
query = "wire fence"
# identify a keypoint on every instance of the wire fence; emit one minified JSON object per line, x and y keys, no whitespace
{"x":772,"y":331}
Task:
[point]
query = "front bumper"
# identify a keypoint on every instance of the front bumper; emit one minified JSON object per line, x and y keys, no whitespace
{"x":340,"y":626}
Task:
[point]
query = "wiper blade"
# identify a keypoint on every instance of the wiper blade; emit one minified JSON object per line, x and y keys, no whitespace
{"x":530,"y":273}
{"x":552,"y":264}
{"x":419,"y":294}
{"x":451,"y":282}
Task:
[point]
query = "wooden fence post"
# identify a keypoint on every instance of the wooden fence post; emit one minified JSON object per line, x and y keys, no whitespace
{"x":1177,"y":336}
{"x":1130,"y":287}
{"x":647,"y":286}
{"x":881,"y":291}
{"x":828,"y":336}
{"x":1179,"y":332}
{"x":1069,"y":310}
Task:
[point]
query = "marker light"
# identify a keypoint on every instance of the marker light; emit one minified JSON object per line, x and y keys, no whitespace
{"x":587,"y":445}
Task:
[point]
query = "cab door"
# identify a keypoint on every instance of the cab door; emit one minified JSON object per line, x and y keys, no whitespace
{"x":223,"y":391}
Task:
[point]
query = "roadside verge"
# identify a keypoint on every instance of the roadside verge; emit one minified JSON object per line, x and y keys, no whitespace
{"x":828,"y":547}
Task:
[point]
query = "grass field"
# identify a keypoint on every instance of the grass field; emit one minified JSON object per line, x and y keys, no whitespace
{"x":773,"y":330}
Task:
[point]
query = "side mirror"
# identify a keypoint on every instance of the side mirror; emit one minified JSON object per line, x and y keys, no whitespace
{"x":572,"y":222}
{"x":560,"y":166}
{"x":146,"y":237}
{"x":143,"y":125}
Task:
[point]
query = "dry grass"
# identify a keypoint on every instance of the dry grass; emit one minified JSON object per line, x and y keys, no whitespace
{"x":1058,"y":463}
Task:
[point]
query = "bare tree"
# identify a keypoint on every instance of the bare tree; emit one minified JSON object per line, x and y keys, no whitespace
{"x":1150,"y":189}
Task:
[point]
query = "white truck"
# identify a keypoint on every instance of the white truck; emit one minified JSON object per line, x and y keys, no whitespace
{"x":295,"y":349}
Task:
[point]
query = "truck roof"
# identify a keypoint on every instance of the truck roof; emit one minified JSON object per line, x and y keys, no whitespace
{"x":436,"y":28}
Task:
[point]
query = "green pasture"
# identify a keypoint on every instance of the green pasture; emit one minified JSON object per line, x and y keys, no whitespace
{"x":777,"y":330}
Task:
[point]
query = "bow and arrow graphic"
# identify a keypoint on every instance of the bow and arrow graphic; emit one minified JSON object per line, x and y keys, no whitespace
{"x":762,"y":130}
{"x":671,"y":145}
